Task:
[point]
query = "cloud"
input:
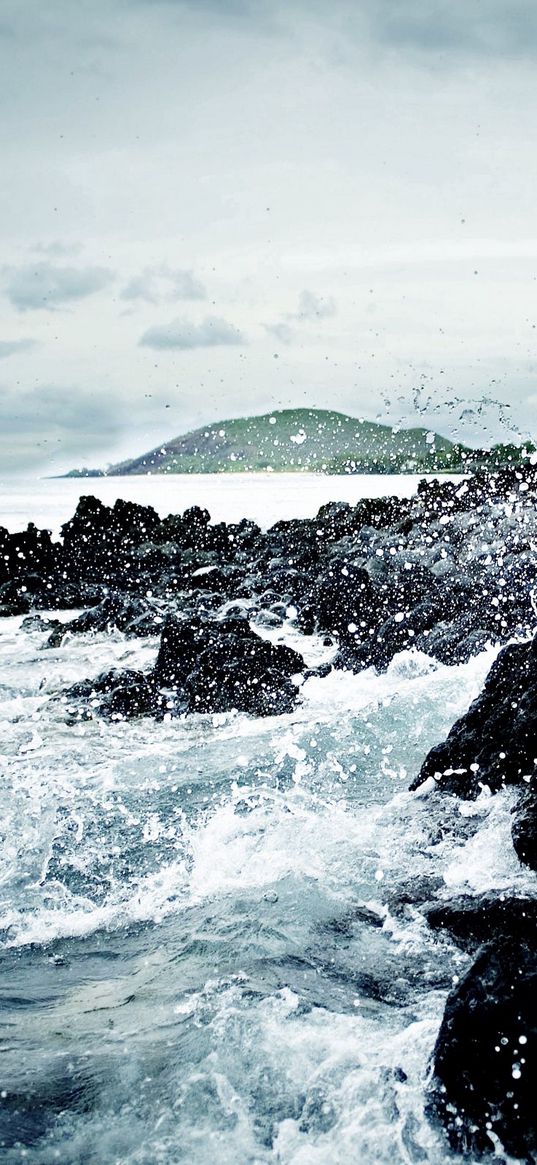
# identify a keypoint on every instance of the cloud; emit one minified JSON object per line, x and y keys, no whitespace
{"x":261,"y":14}
{"x":212,"y":332}
{"x":441,"y":27}
{"x":491,"y":28}
{"x":12,"y":347}
{"x":311,"y":308}
{"x":282,"y":332}
{"x":57,"y":250}
{"x":314,"y":307}
{"x":161,"y":284}
{"x":55,"y":421}
{"x":46,"y":286}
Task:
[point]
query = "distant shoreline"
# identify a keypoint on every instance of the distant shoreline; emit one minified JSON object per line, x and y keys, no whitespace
{"x":296,"y":471}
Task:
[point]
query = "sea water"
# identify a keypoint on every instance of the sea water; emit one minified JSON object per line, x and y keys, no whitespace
{"x":265,"y":498}
{"x":212,"y":945}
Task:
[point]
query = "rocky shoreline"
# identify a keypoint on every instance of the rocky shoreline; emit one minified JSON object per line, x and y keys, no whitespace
{"x":445,"y":573}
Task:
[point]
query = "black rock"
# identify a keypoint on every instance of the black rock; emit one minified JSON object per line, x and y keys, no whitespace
{"x":115,"y":694}
{"x":246,"y":673}
{"x":319,"y":672}
{"x":339,"y":519}
{"x":181,"y":642}
{"x":456,"y":642}
{"x":221,"y":665}
{"x":475,"y":921}
{"x":133,"y":616}
{"x":131,"y":694}
{"x":39,"y":623}
{"x":485,"y":1059}
{"x":524,"y":830}
{"x":345,"y":597}
{"x":495,"y":742}
{"x":295,"y":542}
{"x":28,"y":550}
{"x":20,"y":606}
{"x":223,"y":580}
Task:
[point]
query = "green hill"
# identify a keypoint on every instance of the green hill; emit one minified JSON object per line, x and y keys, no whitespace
{"x":319,"y":440}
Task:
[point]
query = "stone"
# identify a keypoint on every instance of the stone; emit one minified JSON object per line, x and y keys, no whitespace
{"x":485,"y":1059}
{"x":524,"y":829}
{"x":495,"y":742}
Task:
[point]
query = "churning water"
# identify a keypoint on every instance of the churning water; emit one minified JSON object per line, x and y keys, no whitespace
{"x":212,"y":947}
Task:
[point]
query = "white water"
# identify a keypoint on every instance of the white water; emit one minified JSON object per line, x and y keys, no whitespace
{"x":184,"y":974}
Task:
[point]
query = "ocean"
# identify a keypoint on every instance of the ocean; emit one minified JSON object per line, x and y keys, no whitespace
{"x":264,"y":498}
{"x":206,"y":956}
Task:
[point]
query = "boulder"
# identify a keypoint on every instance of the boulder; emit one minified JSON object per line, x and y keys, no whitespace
{"x":192,"y":531}
{"x":495,"y":742}
{"x":524,"y":830}
{"x":126,"y":613}
{"x":221,"y":665}
{"x":485,"y":1059}
{"x":181,"y":642}
{"x":343,"y":597}
{"x":28,"y":550}
{"x":117,"y":695}
{"x":455,"y":642}
{"x":246,"y":673}
{"x":473,"y":921}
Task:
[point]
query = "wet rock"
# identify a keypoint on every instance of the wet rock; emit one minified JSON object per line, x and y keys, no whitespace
{"x":412,"y":610}
{"x":61,"y":594}
{"x":223,"y":580}
{"x":524,"y":830}
{"x":268,"y":619}
{"x":449,"y":618}
{"x":124,"y":520}
{"x":15,"y":598}
{"x":474,"y":921}
{"x":485,"y":1059}
{"x":414,"y":891}
{"x":319,"y":672}
{"x":339,"y":519}
{"x":347,"y":924}
{"x":295,"y":543}
{"x":181,"y":641}
{"x":344,"y":597}
{"x":40,"y":623}
{"x":118,"y":695}
{"x":131,"y":615}
{"x":245,"y":538}
{"x":103,"y":542}
{"x":290,"y":583}
{"x":445,"y":571}
{"x":202,"y":666}
{"x":452,"y":643}
{"x":495,"y":742}
{"x":224,"y":665}
{"x":20,"y":607}
{"x":187,"y":530}
{"x":158,"y":558}
{"x":130,"y":694}
{"x":28,"y":550}
{"x":243,"y":672}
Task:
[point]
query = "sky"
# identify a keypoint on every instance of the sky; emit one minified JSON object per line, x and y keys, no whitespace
{"x":211,"y":208}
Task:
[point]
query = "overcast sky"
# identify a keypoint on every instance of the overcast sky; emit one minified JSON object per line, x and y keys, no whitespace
{"x":218,"y":207}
